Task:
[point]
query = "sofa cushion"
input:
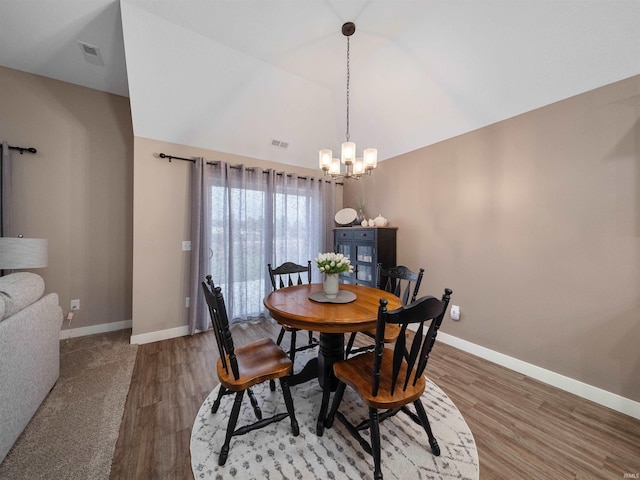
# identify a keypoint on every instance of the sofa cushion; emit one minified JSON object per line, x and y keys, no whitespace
{"x":19,"y":290}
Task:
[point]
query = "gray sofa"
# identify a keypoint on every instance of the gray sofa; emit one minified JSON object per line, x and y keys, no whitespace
{"x":29,"y":351}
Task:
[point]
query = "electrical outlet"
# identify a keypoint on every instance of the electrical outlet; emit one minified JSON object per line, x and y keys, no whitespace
{"x":75,"y":305}
{"x":186,"y":245}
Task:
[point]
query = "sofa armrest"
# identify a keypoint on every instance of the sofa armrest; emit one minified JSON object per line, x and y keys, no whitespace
{"x":29,"y":364}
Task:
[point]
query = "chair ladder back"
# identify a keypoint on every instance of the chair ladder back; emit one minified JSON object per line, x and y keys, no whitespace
{"x":220,"y":320}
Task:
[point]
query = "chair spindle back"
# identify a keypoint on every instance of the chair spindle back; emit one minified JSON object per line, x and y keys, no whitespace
{"x":218,"y":313}
{"x":397,"y":278}
{"x":427,"y":310}
{"x":285,"y":274}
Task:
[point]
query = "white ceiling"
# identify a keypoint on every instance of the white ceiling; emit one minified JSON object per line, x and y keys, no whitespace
{"x":230,"y":75}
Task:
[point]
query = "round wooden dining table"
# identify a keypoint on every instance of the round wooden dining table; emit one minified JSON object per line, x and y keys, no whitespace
{"x":292,"y":306}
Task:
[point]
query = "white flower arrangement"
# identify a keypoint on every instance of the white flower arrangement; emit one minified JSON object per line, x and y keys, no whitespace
{"x":333,"y":263}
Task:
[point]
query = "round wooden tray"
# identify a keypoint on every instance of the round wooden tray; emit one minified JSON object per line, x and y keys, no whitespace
{"x":344,"y":296}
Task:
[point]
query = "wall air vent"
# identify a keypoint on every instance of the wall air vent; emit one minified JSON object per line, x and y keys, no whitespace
{"x":91,"y":54}
{"x":279,"y":143}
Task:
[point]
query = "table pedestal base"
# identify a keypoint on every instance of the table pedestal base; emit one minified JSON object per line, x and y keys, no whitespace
{"x":331,"y":350}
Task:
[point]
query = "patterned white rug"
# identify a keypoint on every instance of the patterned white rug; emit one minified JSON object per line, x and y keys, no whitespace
{"x":272,"y":452}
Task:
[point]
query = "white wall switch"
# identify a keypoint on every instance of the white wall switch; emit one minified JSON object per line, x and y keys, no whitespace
{"x":455,"y":312}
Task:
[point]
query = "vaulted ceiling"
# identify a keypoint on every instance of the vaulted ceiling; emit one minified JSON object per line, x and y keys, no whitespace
{"x":233,"y":75}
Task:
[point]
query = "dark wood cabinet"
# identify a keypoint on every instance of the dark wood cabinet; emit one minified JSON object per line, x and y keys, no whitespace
{"x":365,"y":247}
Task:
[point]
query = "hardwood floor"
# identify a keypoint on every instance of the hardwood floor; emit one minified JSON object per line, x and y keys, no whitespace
{"x":523,"y":429}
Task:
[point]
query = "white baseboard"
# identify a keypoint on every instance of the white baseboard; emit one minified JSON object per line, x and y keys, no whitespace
{"x":595,"y":394}
{"x":93,"y":329}
{"x":161,"y":335}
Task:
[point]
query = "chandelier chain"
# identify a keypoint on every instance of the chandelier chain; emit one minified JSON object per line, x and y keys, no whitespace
{"x":354,"y":167}
{"x":348,"y":81}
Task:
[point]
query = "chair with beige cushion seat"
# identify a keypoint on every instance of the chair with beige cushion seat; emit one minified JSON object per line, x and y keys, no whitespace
{"x":390,"y":379}
{"x":403,"y":283}
{"x":241,"y":368}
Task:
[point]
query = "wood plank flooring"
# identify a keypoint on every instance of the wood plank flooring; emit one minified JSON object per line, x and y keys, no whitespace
{"x":523,"y":429}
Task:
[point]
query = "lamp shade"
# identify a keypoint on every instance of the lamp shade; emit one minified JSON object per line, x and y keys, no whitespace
{"x":17,"y":253}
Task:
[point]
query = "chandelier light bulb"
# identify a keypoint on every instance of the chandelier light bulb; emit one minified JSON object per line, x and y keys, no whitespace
{"x":348,"y":152}
{"x":325,"y":159}
{"x":335,"y":167}
{"x":370,"y":158}
{"x":358,"y":166}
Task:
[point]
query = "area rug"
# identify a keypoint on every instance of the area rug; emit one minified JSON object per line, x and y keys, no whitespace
{"x":272,"y":452}
{"x":74,"y":432}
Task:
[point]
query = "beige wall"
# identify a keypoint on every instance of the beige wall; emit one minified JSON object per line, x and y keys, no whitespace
{"x":76,"y":191}
{"x":161,"y":223}
{"x":534,"y":222}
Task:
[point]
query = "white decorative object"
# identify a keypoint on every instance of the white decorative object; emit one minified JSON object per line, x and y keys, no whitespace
{"x":371,"y":223}
{"x":331,"y":285}
{"x":364,"y":222}
{"x":380,"y":221}
{"x":346,"y":216}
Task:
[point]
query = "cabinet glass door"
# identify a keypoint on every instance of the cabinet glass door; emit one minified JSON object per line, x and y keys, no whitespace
{"x":364,"y":253}
{"x":345,"y":249}
{"x":364,"y":273}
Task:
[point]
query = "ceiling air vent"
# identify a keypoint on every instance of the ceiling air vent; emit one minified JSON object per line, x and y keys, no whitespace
{"x":279,"y":143}
{"x":91,"y":54}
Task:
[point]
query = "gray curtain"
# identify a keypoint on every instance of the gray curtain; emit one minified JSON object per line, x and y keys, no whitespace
{"x":328,"y":199}
{"x":243,"y":218}
{"x":200,"y":239}
{"x":5,"y":190}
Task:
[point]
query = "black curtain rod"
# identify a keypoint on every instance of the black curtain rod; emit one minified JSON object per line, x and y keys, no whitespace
{"x":171,"y":157}
{"x":23,"y":149}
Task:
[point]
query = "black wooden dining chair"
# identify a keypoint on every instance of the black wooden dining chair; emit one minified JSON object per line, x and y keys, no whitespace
{"x":241,"y":368}
{"x":390,"y":379}
{"x":287,"y":275}
{"x":403,"y":283}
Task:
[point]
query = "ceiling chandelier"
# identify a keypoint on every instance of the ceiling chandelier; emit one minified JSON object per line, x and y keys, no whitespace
{"x":354,"y":167}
